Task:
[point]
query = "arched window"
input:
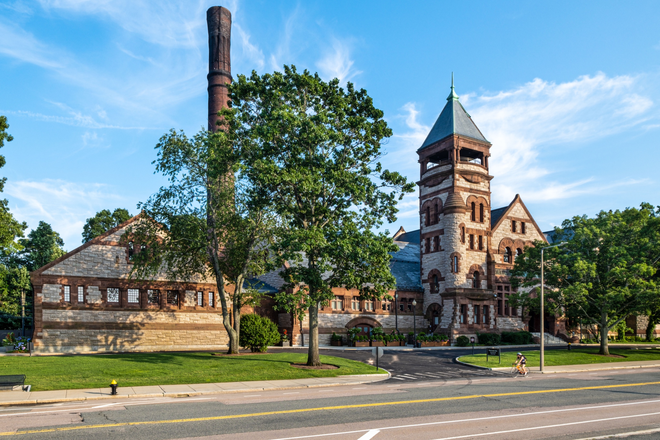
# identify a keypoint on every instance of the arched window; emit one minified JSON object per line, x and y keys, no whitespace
{"x":507,"y":255}
{"x":463,"y":234}
{"x":518,"y":253}
{"x":476,"y":283}
{"x":473,"y":214}
{"x":436,"y":215}
{"x":434,"y":287}
{"x":455,"y":264}
{"x":428,"y":216}
{"x":481,"y":212}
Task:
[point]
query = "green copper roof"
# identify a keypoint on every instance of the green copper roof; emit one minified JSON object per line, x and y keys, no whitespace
{"x":453,"y":120}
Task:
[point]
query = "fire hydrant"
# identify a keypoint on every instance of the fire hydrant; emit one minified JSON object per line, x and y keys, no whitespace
{"x":113,"y":387}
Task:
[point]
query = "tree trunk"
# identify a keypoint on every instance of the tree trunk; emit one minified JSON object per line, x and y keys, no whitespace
{"x":234,"y":347}
{"x":654,"y":318}
{"x":604,"y":330}
{"x":313,"y":358}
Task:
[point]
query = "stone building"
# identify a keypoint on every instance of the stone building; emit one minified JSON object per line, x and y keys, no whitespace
{"x":466,"y":247}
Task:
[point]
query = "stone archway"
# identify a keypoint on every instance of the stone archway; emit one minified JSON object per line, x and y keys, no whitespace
{"x":433,"y":315}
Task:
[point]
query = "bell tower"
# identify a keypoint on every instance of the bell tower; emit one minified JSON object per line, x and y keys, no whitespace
{"x":454,"y":200}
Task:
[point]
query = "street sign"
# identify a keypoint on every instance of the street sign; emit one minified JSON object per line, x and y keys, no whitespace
{"x":494,"y":352}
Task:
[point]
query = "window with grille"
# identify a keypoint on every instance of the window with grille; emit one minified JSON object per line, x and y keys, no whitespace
{"x":211,"y":299}
{"x":173,"y":297}
{"x":81,"y":294}
{"x":338,"y":303}
{"x":355,"y":304}
{"x":133,"y":296}
{"x":113,"y":295}
{"x":153,"y":296}
{"x":67,"y":293}
{"x":386,"y":305}
{"x":200,"y":298}
{"x":369,"y":306}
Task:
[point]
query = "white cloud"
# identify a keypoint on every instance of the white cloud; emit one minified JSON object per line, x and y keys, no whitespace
{"x":254,"y":56}
{"x":337,"y":63}
{"x":63,"y":204}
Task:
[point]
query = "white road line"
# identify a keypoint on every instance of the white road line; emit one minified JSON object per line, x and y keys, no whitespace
{"x":361,"y":388}
{"x":369,"y":435}
{"x":623,"y":434}
{"x":105,"y":406}
{"x":550,"y":426}
{"x":292,"y":393}
{"x":482,"y":418}
{"x":253,"y":395}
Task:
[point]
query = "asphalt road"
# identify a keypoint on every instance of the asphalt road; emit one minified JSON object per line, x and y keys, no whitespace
{"x":574,"y":406}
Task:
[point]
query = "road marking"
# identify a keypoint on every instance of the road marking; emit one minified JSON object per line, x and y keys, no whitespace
{"x":624,"y":434}
{"x":446,"y":422}
{"x":361,"y":388}
{"x":327,"y":408}
{"x":253,"y":395}
{"x":292,"y":393}
{"x":550,"y":426}
{"x":105,"y":406}
{"x":370,"y":434}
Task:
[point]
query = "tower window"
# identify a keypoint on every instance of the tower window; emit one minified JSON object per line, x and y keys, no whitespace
{"x":455,"y":264}
{"x":471,"y":241}
{"x":436,"y":243}
{"x":428,"y":216}
{"x":436,"y":215}
{"x":475,"y":281}
{"x":436,"y":285}
{"x":428,"y":245}
{"x":481,"y":212}
{"x":463,"y":234}
{"x":473,"y":212}
{"x":507,"y":255}
{"x":481,"y":242}
{"x":513,"y":226}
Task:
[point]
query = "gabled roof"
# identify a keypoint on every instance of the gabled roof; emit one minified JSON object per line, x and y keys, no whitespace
{"x":453,"y":120}
{"x":502,"y":212}
{"x":407,"y":237}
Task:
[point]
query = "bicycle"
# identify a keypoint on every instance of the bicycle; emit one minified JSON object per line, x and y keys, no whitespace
{"x":518,"y":370}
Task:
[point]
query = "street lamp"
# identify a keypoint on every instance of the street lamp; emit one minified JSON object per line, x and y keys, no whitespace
{"x":414,"y":303}
{"x":396,"y":312}
{"x":542,"y":357}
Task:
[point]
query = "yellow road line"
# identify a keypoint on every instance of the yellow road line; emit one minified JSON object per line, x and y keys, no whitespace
{"x":325,"y":408}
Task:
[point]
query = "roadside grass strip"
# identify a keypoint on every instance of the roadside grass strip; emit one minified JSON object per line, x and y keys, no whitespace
{"x":554,"y":358}
{"x":324,"y":408}
{"x":47,"y":373}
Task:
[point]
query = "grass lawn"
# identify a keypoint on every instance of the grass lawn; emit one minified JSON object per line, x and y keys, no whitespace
{"x":564,"y":357}
{"x":138,"y":369}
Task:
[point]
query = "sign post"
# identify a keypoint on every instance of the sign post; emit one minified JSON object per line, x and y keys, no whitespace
{"x":472,"y":341}
{"x":377,"y":352}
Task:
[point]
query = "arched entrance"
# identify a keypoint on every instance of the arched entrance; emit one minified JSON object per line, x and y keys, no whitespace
{"x":366,"y":325}
{"x":433,"y":315}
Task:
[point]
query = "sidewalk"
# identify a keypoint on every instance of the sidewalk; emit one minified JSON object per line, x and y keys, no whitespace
{"x":10,"y":398}
{"x":581,"y":368}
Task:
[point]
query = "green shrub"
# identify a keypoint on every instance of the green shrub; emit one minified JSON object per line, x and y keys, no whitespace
{"x":258,"y":332}
{"x":489,"y":338}
{"x":462,"y":341}
{"x":517,"y":338}
{"x":335,"y":337}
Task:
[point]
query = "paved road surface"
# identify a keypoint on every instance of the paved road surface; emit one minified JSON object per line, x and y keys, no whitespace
{"x":573,"y":406}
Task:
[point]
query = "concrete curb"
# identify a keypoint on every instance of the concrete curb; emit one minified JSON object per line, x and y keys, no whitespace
{"x":374,"y":378}
{"x":470,"y":365}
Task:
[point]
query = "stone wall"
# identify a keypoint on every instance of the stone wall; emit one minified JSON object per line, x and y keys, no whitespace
{"x":51,"y":293}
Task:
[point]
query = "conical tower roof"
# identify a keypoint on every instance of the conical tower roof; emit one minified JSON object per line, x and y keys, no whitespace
{"x":453,"y":120}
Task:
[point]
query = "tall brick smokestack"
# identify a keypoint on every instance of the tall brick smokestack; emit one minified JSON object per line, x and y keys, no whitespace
{"x":219,"y":23}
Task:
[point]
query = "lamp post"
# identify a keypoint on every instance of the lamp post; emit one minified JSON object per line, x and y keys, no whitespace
{"x":414,"y":303}
{"x":542,"y":357}
{"x":396,"y":312}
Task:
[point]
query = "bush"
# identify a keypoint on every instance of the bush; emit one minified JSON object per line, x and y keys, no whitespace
{"x":517,"y":338}
{"x":462,"y":341}
{"x":335,"y":337}
{"x":489,"y":338}
{"x":257,"y":333}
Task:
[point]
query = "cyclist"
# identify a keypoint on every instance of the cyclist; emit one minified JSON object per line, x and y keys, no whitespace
{"x":521,"y":364}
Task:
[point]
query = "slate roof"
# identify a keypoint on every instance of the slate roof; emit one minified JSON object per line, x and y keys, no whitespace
{"x":259,"y":285}
{"x":405,"y":263}
{"x":495,"y":215}
{"x":453,"y":120}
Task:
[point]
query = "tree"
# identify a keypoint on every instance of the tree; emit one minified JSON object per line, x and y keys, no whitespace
{"x":606,"y":272}
{"x":14,"y":288}
{"x":41,"y":246}
{"x":207,"y":225}
{"x":103,"y":221}
{"x":313,"y":148}
{"x":10,"y":228}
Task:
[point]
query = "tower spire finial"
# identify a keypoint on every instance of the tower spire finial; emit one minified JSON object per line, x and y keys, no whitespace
{"x":453,"y":94}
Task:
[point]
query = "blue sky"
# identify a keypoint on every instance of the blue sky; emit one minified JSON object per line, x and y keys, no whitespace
{"x":567,"y":92}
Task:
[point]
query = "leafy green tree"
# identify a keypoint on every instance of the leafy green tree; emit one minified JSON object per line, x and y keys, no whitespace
{"x":103,"y":221}
{"x":606,"y":272}
{"x":313,"y":149}
{"x":14,"y":291}
{"x":207,"y":224}
{"x":10,"y":228}
{"x":41,"y":246}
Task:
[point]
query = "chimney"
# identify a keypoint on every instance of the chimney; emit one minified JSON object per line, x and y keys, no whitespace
{"x":219,"y":23}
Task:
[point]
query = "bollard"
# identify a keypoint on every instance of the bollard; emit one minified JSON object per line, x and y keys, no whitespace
{"x":569,"y":346}
{"x":113,"y":388}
